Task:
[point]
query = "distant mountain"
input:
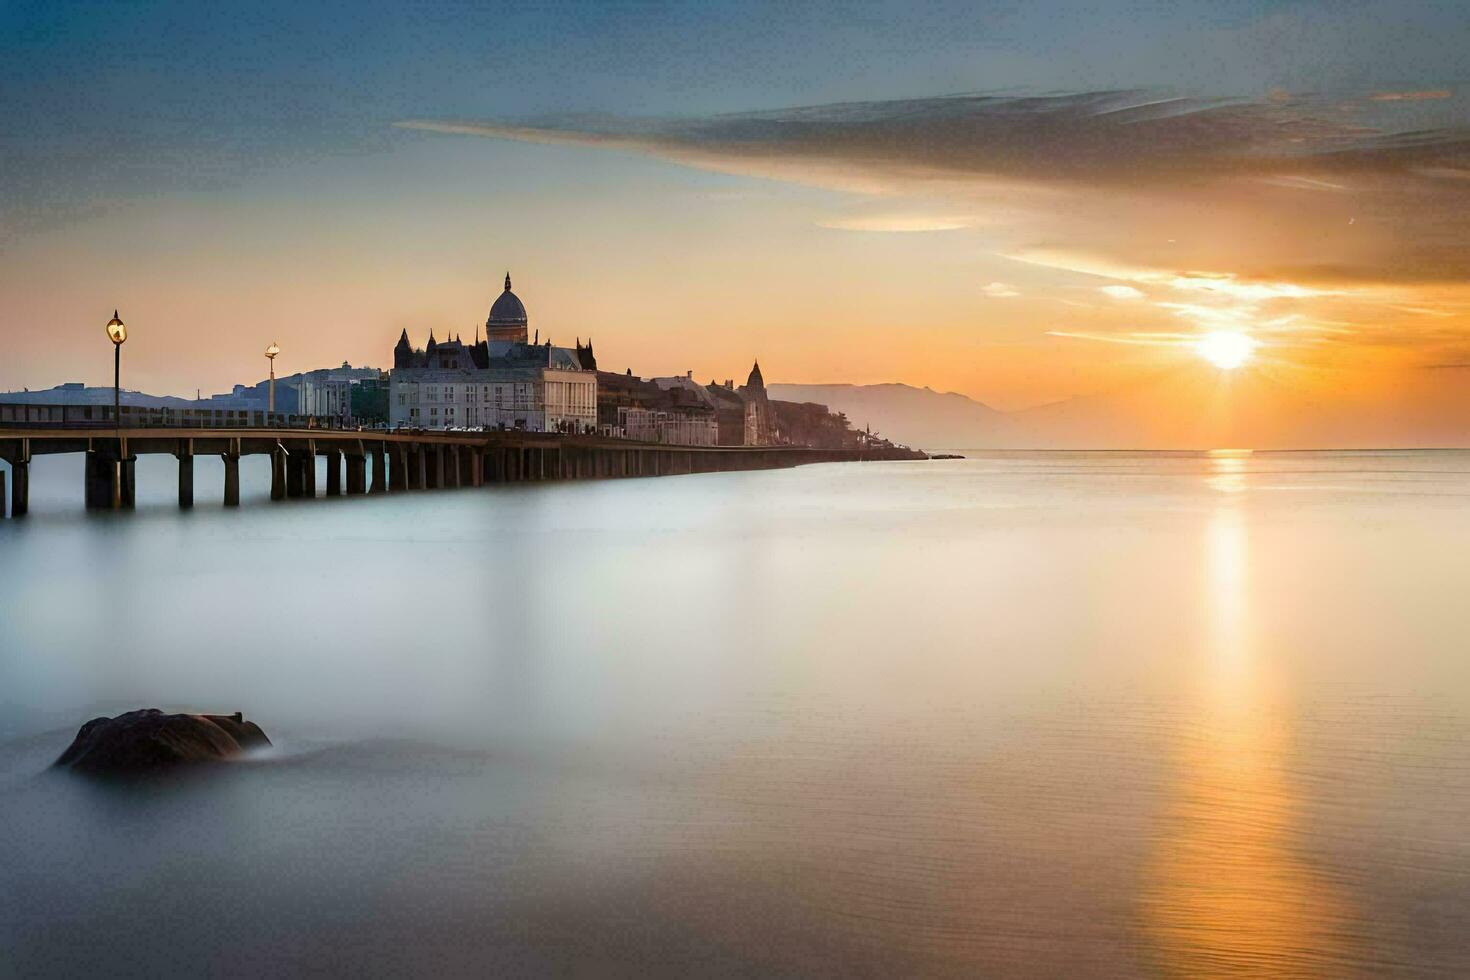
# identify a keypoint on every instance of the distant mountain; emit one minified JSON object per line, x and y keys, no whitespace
{"x":75,"y":393}
{"x":1191,"y":407}
{"x":919,"y":417}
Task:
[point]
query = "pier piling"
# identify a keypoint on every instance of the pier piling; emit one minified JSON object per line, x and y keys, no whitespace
{"x":418,"y":468}
{"x":308,"y":471}
{"x":186,"y":478}
{"x":356,"y":473}
{"x":398,"y":475}
{"x":108,"y":480}
{"x":380,"y":470}
{"x":232,"y":479}
{"x":280,"y":463}
{"x":20,"y":488}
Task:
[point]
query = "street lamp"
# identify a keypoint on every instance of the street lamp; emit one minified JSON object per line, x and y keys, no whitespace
{"x":117,"y":332}
{"x":270,"y":353}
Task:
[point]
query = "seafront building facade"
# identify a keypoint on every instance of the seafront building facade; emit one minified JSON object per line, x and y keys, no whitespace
{"x":532,"y":397}
{"x":673,"y":428}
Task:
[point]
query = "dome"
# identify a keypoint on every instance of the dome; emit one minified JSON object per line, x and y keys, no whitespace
{"x":508,"y":310}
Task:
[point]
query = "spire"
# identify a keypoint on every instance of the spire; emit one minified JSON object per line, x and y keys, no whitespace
{"x":507,"y":281}
{"x":477,"y":335}
{"x":755,"y":380}
{"x":403,"y":337}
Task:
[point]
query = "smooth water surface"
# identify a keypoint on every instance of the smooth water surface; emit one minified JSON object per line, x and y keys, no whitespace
{"x":1026,"y":714}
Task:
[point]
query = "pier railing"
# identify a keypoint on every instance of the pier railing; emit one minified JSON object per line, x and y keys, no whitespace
{"x":27,"y":414}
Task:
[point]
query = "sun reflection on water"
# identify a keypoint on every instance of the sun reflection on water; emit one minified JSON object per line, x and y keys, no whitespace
{"x":1228,"y":890}
{"x":1228,"y":469}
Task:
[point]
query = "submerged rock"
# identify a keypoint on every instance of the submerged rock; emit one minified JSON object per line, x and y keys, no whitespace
{"x":149,"y":741}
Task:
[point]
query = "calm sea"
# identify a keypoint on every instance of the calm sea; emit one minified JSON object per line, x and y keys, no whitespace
{"x":1023,"y":714}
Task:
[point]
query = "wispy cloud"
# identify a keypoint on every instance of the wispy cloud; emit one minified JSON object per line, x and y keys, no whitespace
{"x":1139,"y":339}
{"x":1309,"y":189}
{"x":1118,"y":291}
{"x":999,"y":290}
{"x":894,"y":222}
{"x":1420,"y":96}
{"x":1091,"y":137}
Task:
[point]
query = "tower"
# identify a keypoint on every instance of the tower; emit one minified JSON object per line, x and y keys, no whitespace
{"x":585,"y":357}
{"x":403,"y":352}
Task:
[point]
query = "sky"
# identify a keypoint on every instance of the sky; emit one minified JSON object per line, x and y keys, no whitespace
{"x":1026,"y":203}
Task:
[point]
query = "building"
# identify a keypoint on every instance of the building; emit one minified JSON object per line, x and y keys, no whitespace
{"x":329,"y":393}
{"x":745,"y":415}
{"x":673,"y":411}
{"x":501,"y":382}
{"x":760,"y":418}
{"x":672,"y":428}
{"x":729,"y":413}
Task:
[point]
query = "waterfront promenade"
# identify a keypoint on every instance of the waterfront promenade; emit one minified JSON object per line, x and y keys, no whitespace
{"x":375,"y":460}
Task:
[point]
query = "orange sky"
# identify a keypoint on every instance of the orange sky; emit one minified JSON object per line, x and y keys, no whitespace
{"x":963,"y":254}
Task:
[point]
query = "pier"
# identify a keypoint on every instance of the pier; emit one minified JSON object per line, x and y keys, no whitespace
{"x":375,"y":461}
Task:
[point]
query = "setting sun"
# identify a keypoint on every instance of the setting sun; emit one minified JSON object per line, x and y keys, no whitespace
{"x":1225,"y":349}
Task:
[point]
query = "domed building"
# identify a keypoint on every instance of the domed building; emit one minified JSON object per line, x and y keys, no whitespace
{"x":501,"y":382}
{"x":507,"y":319}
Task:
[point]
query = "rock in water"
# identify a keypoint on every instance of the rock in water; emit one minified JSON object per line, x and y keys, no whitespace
{"x":149,"y":741}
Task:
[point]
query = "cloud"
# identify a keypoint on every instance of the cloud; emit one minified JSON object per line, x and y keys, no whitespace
{"x":1424,"y":96}
{"x":1090,"y":137}
{"x":895,"y":222}
{"x":1137,"y":339}
{"x":999,"y":290}
{"x":1305,"y":189}
{"x":1121,"y":292}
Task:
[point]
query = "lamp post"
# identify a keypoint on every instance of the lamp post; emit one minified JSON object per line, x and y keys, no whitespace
{"x":270,"y":353}
{"x":117,"y":332}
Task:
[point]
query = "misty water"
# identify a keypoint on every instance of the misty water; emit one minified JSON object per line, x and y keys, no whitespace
{"x":1020,"y":713}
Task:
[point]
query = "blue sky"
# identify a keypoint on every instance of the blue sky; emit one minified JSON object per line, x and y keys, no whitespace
{"x":103,"y":99}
